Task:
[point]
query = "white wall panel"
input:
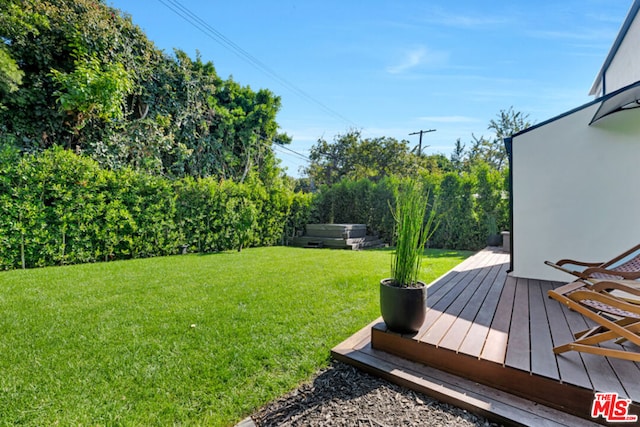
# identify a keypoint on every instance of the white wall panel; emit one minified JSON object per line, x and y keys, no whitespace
{"x":625,"y":67}
{"x":576,"y":191}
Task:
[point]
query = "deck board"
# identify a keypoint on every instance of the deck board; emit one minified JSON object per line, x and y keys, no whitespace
{"x":479,"y":331}
{"x":489,"y":402}
{"x":459,"y":332}
{"x":494,"y":329}
{"x":630,"y":378}
{"x":543,"y":362}
{"x":570,"y":364}
{"x":519,"y":350}
{"x":598,"y":368}
{"x":446,"y":318}
{"x":444,"y":296}
{"x":495,"y":349}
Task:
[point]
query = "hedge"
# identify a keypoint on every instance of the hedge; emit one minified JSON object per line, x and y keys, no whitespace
{"x":469,"y":205}
{"x":57,"y":207}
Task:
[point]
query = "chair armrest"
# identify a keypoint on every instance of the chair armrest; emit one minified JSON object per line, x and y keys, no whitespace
{"x":582,"y":263}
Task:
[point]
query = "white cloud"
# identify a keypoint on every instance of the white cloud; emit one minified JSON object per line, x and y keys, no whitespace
{"x":462,"y":21}
{"x":449,"y":119}
{"x":420,"y":56}
{"x":439,"y":16}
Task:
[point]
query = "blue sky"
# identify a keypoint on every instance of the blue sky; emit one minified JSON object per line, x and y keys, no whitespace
{"x":390,"y":68}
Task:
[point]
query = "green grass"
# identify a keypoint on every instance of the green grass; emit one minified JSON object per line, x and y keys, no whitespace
{"x":191,"y":339}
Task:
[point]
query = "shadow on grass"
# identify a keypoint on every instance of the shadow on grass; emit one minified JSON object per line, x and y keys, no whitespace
{"x":431,"y":253}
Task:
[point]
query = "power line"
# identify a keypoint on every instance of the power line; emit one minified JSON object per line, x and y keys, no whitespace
{"x":420,"y":143}
{"x":302,"y":156}
{"x":214,"y":34}
{"x":281,"y":147}
{"x":286,"y":150}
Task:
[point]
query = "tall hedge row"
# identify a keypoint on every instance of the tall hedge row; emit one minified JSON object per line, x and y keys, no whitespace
{"x":469,"y":205}
{"x":57,"y":208}
{"x":60,"y":208}
{"x":359,"y":202}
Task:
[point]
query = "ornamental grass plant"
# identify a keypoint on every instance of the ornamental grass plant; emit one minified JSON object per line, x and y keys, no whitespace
{"x":414,"y":222}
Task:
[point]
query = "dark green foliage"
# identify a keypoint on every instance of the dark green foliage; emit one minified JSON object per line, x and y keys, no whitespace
{"x":299,"y":215}
{"x":345,"y":202}
{"x":359,"y":202}
{"x":79,"y":74}
{"x":466,"y":201}
{"x":458,"y":221}
{"x":383,"y":196}
{"x":61,"y":208}
{"x":172,"y":156}
{"x":10,"y":74}
{"x":471,"y":186}
{"x":492,"y":151}
{"x":351,"y":157}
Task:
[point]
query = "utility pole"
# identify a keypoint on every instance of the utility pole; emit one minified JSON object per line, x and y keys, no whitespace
{"x":420,"y":143}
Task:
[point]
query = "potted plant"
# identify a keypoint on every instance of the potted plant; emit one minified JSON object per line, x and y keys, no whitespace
{"x":403,"y":297}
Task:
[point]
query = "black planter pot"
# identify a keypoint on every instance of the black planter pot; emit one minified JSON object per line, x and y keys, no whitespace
{"x":494,"y":240}
{"x":403,"y":309}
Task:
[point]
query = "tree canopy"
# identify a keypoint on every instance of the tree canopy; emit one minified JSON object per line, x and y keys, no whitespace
{"x":353,"y":157}
{"x":492,"y":151}
{"x":80,"y":74}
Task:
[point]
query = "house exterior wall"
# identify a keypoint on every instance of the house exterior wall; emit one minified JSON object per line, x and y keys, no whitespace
{"x":625,"y":66}
{"x":575,"y":191}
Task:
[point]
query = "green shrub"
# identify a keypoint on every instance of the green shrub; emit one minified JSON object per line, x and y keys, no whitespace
{"x":456,"y":215}
{"x":466,"y":200}
{"x":57,"y":207}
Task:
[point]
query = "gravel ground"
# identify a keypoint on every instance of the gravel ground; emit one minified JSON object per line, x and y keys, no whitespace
{"x":342,"y":395}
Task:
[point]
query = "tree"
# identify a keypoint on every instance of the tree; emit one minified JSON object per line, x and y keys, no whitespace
{"x":10,"y":74}
{"x":351,"y":156}
{"x":492,"y":151}
{"x":64,"y":38}
{"x":434,"y":164}
{"x":488,"y":192}
{"x":509,"y":122}
{"x":90,"y":80}
{"x":458,"y":156}
{"x":92,"y":91}
{"x":330,"y":162}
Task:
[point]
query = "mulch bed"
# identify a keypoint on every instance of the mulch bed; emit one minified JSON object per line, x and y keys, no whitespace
{"x":342,"y":395}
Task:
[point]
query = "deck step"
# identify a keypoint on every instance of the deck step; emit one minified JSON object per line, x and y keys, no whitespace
{"x":494,"y":404}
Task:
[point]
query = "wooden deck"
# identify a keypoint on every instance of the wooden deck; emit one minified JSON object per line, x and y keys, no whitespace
{"x":486,"y":345}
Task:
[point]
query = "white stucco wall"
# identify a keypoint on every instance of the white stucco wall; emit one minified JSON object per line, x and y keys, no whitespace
{"x":575,"y":191}
{"x":625,"y":67}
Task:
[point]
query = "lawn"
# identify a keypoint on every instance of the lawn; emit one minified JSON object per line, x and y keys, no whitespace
{"x":190,"y":339}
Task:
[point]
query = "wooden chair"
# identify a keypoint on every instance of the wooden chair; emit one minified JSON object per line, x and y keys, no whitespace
{"x":614,"y":307}
{"x":624,"y":266}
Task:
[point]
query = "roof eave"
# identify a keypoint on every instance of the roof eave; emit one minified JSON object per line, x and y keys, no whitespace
{"x":599,"y":85}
